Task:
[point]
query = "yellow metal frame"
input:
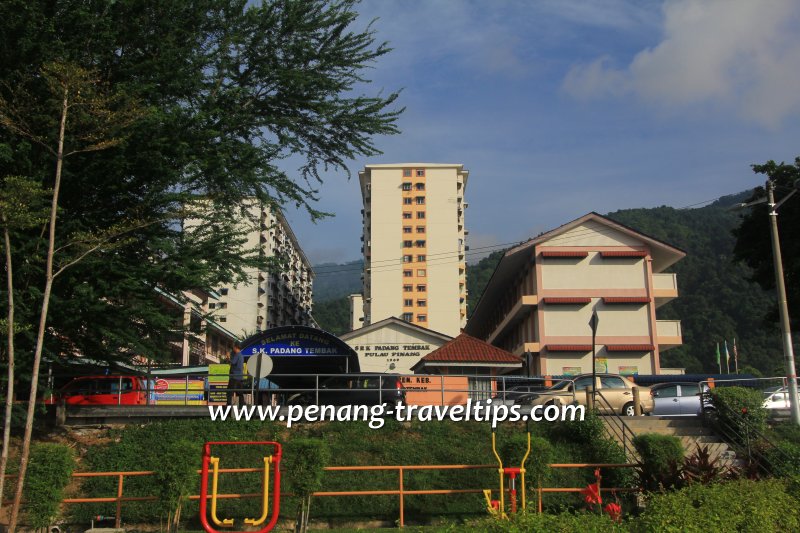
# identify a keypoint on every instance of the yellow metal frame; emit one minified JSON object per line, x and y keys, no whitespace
{"x":501,"y":512}
{"x":265,"y":499}
{"x":227,"y":522}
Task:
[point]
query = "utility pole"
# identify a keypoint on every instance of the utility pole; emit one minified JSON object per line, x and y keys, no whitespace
{"x":593,"y":323}
{"x":783,"y":307}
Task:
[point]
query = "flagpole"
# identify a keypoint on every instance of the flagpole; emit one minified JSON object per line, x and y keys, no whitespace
{"x":735,"y":356}
{"x":727,"y":359}
{"x":719,"y":362}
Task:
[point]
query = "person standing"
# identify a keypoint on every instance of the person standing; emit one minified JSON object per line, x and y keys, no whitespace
{"x":236,"y":377}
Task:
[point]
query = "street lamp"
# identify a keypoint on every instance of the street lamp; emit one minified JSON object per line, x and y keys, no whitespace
{"x":783,"y":307}
{"x":593,"y":322}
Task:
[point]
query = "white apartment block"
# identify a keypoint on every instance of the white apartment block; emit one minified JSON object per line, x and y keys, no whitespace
{"x":414,"y":245}
{"x":269,"y":299}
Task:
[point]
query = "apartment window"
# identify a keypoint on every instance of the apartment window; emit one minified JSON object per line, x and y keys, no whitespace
{"x":419,"y":199}
{"x":407,"y":288}
{"x":420,"y":229}
{"x":223,"y":292}
{"x":419,"y":186}
{"x":420,"y":172}
{"x":222,"y":305}
{"x":406,"y":172}
{"x":407,"y":201}
{"x":421,"y":258}
{"x":422,"y":318}
{"x":408,"y":258}
{"x":422,"y":303}
{"x":407,"y":273}
{"x":407,"y":215}
{"x":420,"y":244}
{"x":407,"y":186}
{"x":408,"y":317}
{"x":222,"y":319}
{"x":420,"y":214}
{"x":406,"y":244}
{"x":421,"y":288}
{"x":408,"y":302}
{"x":421,"y":272}
{"x":406,"y":229}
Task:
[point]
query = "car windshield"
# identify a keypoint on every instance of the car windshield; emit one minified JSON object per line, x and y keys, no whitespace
{"x":560,"y":385}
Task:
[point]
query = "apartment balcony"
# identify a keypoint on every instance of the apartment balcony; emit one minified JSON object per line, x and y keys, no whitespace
{"x":513,"y":316}
{"x":665,"y":288}
{"x":668,"y":333}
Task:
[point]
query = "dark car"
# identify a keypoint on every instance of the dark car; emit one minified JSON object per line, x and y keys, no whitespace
{"x":102,"y":390}
{"x":354,"y":389}
{"x":512,"y":394}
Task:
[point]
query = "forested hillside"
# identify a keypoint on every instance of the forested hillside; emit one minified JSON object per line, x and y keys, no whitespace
{"x":336,"y":280}
{"x":716,"y":300}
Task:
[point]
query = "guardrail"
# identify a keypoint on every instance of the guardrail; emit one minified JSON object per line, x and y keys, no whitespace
{"x":400,"y":491}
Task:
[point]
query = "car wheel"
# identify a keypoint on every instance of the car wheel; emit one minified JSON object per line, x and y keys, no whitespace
{"x":300,"y":399}
{"x":628,"y":409}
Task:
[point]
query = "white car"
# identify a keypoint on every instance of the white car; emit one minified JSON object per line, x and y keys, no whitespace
{"x":778,"y":399}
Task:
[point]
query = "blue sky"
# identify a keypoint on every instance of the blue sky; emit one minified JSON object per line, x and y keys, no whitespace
{"x":561,"y":107}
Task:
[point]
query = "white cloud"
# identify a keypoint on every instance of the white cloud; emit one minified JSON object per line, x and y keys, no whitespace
{"x":739,"y":56}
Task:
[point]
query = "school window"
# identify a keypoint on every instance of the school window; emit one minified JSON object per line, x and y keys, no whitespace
{"x":407,"y":186}
{"x":212,"y":306}
{"x":407,"y":201}
{"x":421,"y":272}
{"x":420,"y":172}
{"x":406,"y":244}
{"x":421,"y":288}
{"x":408,"y":317}
{"x":222,"y":319}
{"x":421,"y":258}
{"x":407,"y":288}
{"x":408,"y":303}
{"x":422,"y":318}
{"x":422,"y":303}
{"x":222,"y":305}
{"x":407,"y":273}
{"x":420,"y":214}
{"x":223,"y":292}
{"x":420,"y":200}
{"x":420,"y":229}
{"x":406,"y":229}
{"x":408,"y":258}
{"x":406,"y":172}
{"x":407,"y":215}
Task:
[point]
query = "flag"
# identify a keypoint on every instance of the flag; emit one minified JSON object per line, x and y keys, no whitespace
{"x":719,"y":364}
{"x":735,"y":356}
{"x":727,"y":358}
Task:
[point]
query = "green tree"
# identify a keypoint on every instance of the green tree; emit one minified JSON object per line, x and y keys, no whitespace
{"x":753,"y":245}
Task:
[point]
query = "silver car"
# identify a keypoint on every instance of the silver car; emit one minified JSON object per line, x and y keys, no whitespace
{"x":679,"y":399}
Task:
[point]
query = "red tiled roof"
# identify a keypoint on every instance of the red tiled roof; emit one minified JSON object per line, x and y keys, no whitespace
{"x":630,"y":347}
{"x":554,"y":253}
{"x":468,"y":349}
{"x":569,"y":347}
{"x":626,"y":253}
{"x":626,"y":300}
{"x":566,"y":300}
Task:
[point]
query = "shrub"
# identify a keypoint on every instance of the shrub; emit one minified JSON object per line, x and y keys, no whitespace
{"x":49,"y":470}
{"x":546,"y":523}
{"x":662,"y":457}
{"x":739,"y":412}
{"x":176,"y":478}
{"x":741,"y":505}
{"x":304,"y":470}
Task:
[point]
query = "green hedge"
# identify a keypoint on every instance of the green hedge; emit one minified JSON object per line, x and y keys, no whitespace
{"x":661,"y":458}
{"x":740,"y":409}
{"x":743,"y":505}
{"x":49,"y":471}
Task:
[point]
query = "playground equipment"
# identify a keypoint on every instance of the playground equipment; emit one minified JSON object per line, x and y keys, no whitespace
{"x":497,"y":507}
{"x":208,"y":459}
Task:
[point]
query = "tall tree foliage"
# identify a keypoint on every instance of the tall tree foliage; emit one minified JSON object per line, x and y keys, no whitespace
{"x":227,"y":91}
{"x":753,"y":245}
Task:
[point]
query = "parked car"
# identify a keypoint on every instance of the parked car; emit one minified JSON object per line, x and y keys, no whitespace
{"x":680,"y":398}
{"x":355,"y":389}
{"x":512,"y":394}
{"x":102,"y":390}
{"x":616,"y":393}
{"x":778,"y":399}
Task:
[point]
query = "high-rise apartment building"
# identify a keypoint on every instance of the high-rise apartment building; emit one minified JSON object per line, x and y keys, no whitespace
{"x":413,"y":244}
{"x":269,"y":299}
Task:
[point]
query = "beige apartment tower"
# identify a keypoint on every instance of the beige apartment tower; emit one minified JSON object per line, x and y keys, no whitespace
{"x":414,"y":245}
